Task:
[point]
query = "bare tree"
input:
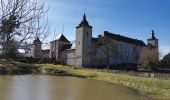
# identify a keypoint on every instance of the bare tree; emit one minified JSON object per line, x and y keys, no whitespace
{"x":166,"y":61}
{"x":22,"y":20}
{"x":149,"y":57}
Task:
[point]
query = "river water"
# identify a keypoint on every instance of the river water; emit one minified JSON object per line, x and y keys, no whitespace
{"x":44,"y":87}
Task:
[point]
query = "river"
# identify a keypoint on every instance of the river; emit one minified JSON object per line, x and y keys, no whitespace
{"x":45,"y":87}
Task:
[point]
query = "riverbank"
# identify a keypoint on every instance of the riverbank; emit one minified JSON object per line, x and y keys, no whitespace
{"x":156,"y":88}
{"x":17,"y":68}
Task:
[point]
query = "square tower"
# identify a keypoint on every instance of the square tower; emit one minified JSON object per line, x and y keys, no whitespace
{"x":83,"y":43}
{"x":153,"y":46}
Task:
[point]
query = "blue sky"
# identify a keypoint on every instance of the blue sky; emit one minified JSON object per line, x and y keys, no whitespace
{"x":132,"y":18}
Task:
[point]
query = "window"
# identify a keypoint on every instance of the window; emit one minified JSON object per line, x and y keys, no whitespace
{"x":86,"y":38}
{"x":87,"y":34}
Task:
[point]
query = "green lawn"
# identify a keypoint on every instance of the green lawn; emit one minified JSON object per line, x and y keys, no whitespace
{"x":156,"y":88}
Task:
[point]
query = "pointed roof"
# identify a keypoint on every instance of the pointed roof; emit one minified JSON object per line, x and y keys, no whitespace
{"x":152,"y":36}
{"x":62,"y":38}
{"x":83,"y":22}
{"x":37,"y":40}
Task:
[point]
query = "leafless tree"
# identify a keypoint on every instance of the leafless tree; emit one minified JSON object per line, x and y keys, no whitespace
{"x":149,"y":57}
{"x":166,"y":61}
{"x":22,"y":20}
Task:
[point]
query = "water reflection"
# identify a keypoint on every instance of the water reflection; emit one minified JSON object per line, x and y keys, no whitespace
{"x":41,"y":87}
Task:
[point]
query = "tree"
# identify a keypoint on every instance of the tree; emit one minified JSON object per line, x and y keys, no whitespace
{"x":166,"y":60}
{"x":103,"y":50}
{"x":149,"y":57}
{"x":22,"y":20}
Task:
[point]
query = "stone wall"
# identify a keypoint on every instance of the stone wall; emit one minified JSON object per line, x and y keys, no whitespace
{"x":68,"y":57}
{"x":71,"y":58}
{"x":126,"y":54}
{"x":37,"y":50}
{"x":56,"y":48}
{"x":53,"y":49}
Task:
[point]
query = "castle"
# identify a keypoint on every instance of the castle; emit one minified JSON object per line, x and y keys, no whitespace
{"x":106,"y":49}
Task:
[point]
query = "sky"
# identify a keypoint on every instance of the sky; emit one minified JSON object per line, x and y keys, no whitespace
{"x":131,"y":18}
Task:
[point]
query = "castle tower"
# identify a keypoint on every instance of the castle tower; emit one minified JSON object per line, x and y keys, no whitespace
{"x":83,"y":42}
{"x":153,"y":45}
{"x":57,"y":45}
{"x":153,"y":41}
{"x":37,"y":48}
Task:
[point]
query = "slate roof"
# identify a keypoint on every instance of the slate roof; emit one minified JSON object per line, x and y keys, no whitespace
{"x":37,"y":40}
{"x":123,"y":38}
{"x":152,"y":36}
{"x":84,"y":22}
{"x":61,"y":37}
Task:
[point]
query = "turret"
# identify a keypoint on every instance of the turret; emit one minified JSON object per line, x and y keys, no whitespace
{"x":83,"y":42}
{"x":153,"y":41}
{"x":37,"y":48}
{"x":153,"y":46}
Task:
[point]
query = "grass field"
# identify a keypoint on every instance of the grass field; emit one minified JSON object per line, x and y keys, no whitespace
{"x":156,"y":88}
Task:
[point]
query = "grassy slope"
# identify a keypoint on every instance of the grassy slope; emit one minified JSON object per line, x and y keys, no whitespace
{"x":158,"y":89}
{"x":5,"y":63}
{"x":13,"y":67}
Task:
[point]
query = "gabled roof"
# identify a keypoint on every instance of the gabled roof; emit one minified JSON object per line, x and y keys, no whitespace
{"x":62,"y":38}
{"x":123,"y":38}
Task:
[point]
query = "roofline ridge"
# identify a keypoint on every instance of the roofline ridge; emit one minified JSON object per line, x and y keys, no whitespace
{"x":123,"y":36}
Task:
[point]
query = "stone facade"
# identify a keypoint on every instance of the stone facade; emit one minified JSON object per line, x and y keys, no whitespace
{"x":36,"y":48}
{"x":88,"y":51}
{"x":125,"y":53}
